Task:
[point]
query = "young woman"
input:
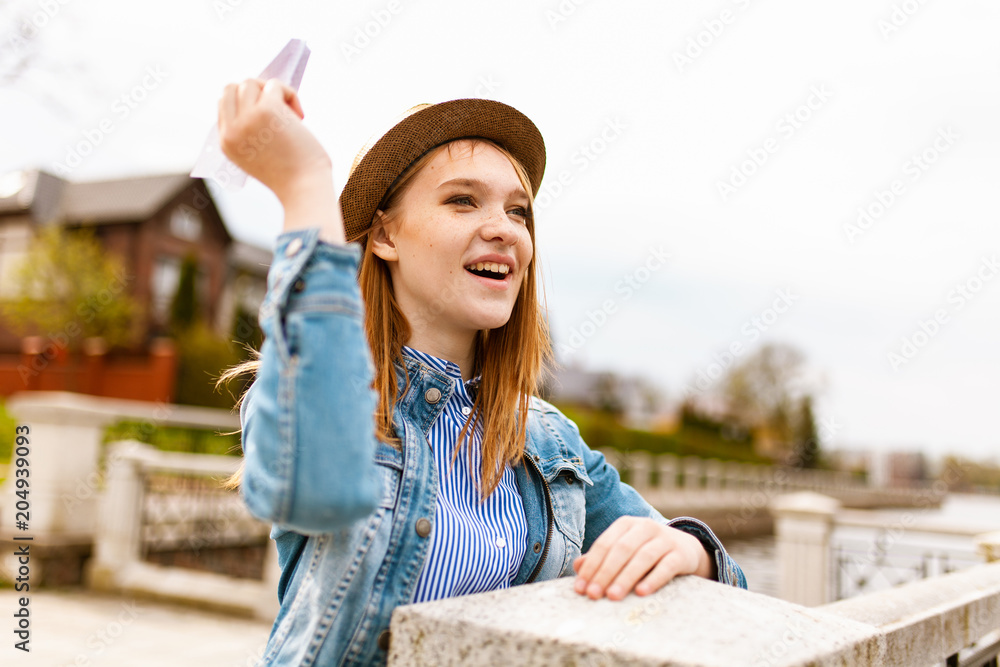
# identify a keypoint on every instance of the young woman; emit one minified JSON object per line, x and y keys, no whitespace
{"x":391,"y":433}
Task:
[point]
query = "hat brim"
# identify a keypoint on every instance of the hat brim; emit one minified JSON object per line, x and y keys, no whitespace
{"x":428,"y":128}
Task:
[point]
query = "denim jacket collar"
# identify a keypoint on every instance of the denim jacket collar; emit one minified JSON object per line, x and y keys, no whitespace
{"x":544,"y":445}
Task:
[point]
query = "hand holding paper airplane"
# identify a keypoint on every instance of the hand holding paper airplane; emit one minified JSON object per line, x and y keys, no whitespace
{"x":287,"y":67}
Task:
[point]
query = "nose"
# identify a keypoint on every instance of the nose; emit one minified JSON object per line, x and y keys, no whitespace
{"x":497,"y":226}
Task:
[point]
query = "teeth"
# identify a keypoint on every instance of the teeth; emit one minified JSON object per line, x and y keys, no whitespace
{"x":502,"y":269}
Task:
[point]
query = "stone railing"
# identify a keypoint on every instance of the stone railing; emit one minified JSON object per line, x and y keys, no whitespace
{"x":696,"y":622}
{"x":805,"y":524}
{"x":182,"y":510}
{"x":951,"y":619}
{"x":65,"y":433}
{"x":713,"y":481}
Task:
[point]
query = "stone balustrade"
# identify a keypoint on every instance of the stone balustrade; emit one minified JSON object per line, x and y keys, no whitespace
{"x":699,"y":623}
{"x":117,"y":564}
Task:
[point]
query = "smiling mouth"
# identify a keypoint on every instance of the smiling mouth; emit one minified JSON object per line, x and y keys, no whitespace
{"x":493,"y":272}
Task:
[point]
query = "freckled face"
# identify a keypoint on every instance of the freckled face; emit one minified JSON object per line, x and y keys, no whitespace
{"x":465,"y":209}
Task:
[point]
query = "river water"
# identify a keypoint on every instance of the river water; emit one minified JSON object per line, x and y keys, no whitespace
{"x":907,"y":553}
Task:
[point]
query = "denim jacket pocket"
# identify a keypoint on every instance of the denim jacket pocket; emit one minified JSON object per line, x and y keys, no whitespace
{"x":389,"y":464}
{"x":569,"y":502}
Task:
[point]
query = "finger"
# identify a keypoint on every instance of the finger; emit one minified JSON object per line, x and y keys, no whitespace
{"x":227,"y":106}
{"x":247,"y":94}
{"x":277,"y":89}
{"x":615,"y":560}
{"x":638,"y":566}
{"x":661,"y":574}
{"x":601,"y":545}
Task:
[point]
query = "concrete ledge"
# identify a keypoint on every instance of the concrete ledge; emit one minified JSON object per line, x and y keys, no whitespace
{"x":65,"y":407}
{"x":931,"y":618}
{"x":690,"y":622}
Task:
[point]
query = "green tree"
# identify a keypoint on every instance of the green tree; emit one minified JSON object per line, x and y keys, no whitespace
{"x":202,"y":356}
{"x":68,"y":288}
{"x":246,"y":332}
{"x":806,"y":453}
{"x":184,"y":307}
{"x":607,"y":396}
{"x":763,"y":389}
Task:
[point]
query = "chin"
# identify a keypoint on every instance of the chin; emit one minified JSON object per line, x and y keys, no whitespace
{"x":492,"y":322}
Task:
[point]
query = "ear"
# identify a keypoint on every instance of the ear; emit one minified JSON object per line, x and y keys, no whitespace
{"x":382,"y":243}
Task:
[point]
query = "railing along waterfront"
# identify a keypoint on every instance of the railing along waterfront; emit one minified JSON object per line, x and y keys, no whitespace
{"x":952,"y":619}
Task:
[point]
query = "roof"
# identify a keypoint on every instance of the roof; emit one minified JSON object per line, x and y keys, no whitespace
{"x":115,"y":200}
{"x":49,"y":198}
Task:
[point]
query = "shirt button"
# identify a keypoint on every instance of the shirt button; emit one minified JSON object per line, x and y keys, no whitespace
{"x":293,"y":247}
{"x":423,"y":527}
{"x":383,"y":640}
{"x":537,"y":547}
{"x":501,"y":542}
{"x":432,"y":395}
{"x":466,"y":410}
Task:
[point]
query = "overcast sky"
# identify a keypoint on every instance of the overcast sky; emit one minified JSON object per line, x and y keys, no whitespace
{"x":707,"y":163}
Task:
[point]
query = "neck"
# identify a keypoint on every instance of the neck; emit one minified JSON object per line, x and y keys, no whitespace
{"x":458,"y":349}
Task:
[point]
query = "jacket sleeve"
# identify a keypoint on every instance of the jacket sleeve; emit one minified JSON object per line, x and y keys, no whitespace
{"x":307,"y":419}
{"x":610,"y":498}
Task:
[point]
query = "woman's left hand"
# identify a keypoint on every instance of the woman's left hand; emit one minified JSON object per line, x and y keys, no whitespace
{"x":637,"y":549}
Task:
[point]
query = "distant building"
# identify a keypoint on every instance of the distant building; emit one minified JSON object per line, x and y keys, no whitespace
{"x":884,"y":469}
{"x":635,"y":400}
{"x":151,"y":222}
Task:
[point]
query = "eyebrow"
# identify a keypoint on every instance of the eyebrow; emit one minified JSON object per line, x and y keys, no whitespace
{"x":482,"y":185}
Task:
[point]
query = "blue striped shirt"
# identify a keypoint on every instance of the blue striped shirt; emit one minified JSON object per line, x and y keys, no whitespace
{"x":474,"y":547}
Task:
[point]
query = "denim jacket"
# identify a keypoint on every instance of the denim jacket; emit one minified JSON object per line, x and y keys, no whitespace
{"x":351,"y":515}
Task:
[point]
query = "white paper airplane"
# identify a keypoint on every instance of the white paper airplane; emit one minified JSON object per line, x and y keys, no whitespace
{"x":213,"y":163}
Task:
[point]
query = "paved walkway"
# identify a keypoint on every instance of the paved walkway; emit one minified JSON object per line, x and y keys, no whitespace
{"x":78,"y":628}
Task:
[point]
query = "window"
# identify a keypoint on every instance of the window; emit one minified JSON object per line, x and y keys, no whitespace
{"x":166,"y":276}
{"x":185,"y":223}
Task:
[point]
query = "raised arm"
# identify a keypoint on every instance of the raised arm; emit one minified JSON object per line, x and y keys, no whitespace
{"x":308,"y":426}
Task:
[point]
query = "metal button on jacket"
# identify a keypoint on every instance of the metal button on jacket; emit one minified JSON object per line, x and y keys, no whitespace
{"x":293,"y":247}
{"x":299,"y":285}
{"x":383,"y":640}
{"x":432,"y":395}
{"x":423,"y":527}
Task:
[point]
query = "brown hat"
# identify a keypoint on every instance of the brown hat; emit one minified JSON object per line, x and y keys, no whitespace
{"x":427,"y":126}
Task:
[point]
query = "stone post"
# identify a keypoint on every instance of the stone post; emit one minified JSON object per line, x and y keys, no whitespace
{"x":692,"y":473}
{"x":65,"y":437}
{"x":641,"y":465}
{"x":988,"y":546}
{"x":117,"y":538}
{"x":666,"y":466}
{"x":713,"y":474}
{"x":803,"y":525}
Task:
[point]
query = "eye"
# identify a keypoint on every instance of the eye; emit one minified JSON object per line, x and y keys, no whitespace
{"x":519,"y":212}
{"x":462,"y":200}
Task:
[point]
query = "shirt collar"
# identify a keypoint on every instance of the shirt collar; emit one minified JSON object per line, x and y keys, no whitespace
{"x":450,"y":368}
